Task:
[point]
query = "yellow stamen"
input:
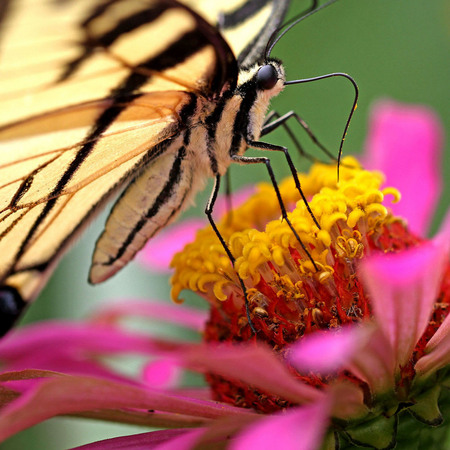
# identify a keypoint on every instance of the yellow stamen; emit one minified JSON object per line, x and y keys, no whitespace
{"x":264,"y":245}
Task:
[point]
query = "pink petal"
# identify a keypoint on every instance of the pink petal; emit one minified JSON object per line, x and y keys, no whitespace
{"x":39,"y":344}
{"x":347,"y":399}
{"x":403,"y":288}
{"x":74,"y":394}
{"x":328,"y":352}
{"x":73,"y":366}
{"x":159,"y":251}
{"x":155,"y":439}
{"x":439,"y":345}
{"x":75,"y":349}
{"x":185,"y":441}
{"x":294,"y":429}
{"x":162,"y":374}
{"x":59,"y":336}
{"x":375,"y":362}
{"x":201,"y":393}
{"x":404,"y":142}
{"x":438,"y":348}
{"x":249,"y":363}
{"x":154,"y":310}
{"x":24,"y":380}
{"x":361,"y":349}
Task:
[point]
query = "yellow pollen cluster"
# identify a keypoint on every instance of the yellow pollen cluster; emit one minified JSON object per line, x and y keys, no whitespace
{"x":264,"y":246}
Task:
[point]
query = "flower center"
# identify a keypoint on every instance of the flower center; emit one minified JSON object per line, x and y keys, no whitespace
{"x":288,"y":295}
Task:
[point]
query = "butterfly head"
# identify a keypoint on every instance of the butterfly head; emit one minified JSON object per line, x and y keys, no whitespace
{"x":266,"y":80}
{"x":267,"y":77}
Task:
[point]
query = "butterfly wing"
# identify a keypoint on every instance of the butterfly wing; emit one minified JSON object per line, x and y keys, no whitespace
{"x":43,"y":207}
{"x":246,"y":25}
{"x":91,"y":92}
{"x":96,"y":107}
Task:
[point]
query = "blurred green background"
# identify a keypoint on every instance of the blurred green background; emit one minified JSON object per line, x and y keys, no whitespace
{"x":394,"y":49}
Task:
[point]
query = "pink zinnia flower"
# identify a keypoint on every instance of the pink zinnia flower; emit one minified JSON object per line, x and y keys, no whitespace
{"x":340,"y":352}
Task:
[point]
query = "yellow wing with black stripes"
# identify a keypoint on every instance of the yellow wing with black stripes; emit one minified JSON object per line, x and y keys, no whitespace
{"x":91,"y":93}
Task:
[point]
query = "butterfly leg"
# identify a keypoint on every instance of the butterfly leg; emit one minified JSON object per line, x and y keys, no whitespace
{"x":264,"y":160}
{"x":208,"y":211}
{"x":228,"y":197}
{"x":281,"y":120}
{"x":278,"y":148}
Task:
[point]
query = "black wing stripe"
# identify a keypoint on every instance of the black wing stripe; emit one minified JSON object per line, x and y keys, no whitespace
{"x":105,"y":40}
{"x":254,"y":50}
{"x":136,"y":20}
{"x":211,"y":124}
{"x":178,"y":52}
{"x":242,"y":14}
{"x":104,"y":121}
{"x":43,"y":266}
{"x":4,"y":10}
{"x":158,"y":150}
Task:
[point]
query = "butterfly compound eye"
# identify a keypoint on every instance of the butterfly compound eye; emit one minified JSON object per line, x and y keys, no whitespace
{"x":267,"y":77}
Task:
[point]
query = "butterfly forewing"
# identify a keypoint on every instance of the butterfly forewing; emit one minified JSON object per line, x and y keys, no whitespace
{"x":68,"y":62}
{"x":93,"y":112}
{"x":94,"y":93}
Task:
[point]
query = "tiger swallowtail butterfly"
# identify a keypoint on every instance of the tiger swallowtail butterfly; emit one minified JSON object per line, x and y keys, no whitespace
{"x":147,"y":98}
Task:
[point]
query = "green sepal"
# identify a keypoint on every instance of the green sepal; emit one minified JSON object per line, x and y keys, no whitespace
{"x":426,"y":408}
{"x":446,"y":382}
{"x":331,"y":442}
{"x":379,"y":433}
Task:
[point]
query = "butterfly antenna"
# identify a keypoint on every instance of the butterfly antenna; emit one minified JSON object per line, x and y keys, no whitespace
{"x":350,"y":115}
{"x":349,"y":118}
{"x":278,"y":34}
{"x":291,"y":20}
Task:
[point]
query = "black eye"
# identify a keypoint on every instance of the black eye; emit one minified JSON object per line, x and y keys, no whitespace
{"x":267,"y":77}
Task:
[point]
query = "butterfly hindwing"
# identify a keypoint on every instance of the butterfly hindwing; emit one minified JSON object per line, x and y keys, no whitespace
{"x":149,"y":203}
